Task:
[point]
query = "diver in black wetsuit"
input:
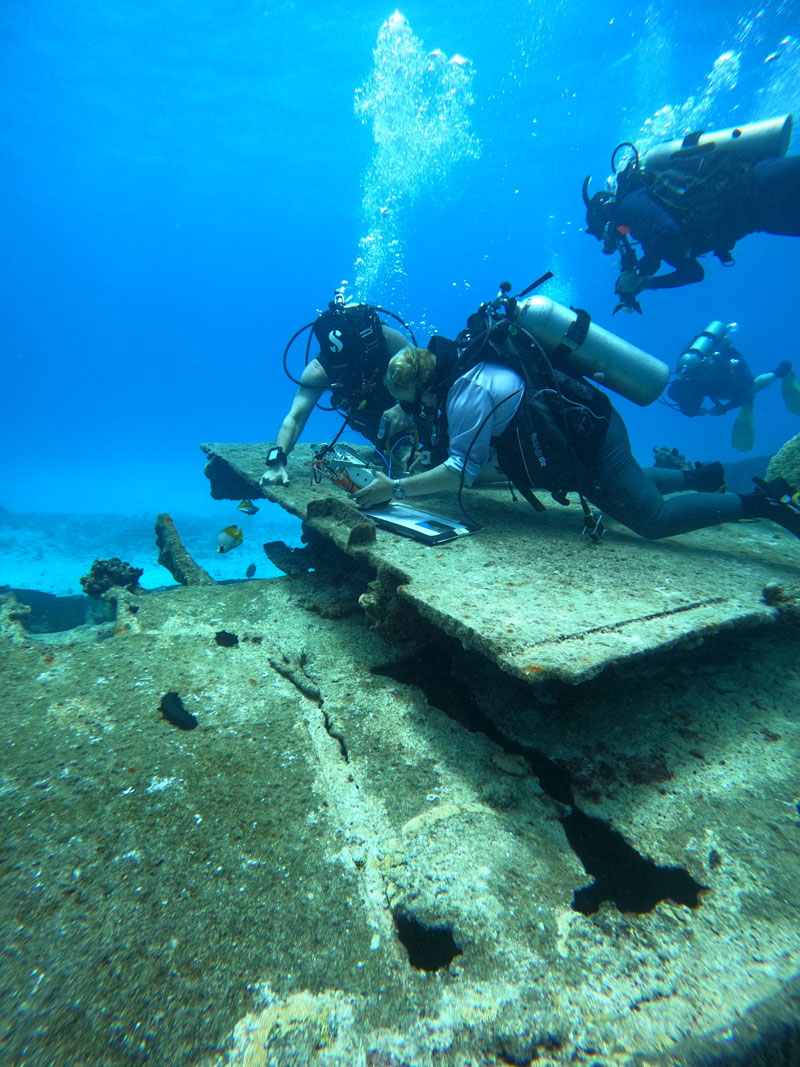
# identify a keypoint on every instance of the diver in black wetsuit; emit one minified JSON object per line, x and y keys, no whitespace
{"x":711,"y":367}
{"x":355,"y":349}
{"x":676,"y":215}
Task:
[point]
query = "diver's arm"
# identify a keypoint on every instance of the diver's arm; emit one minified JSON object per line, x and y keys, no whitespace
{"x":632,"y":282}
{"x":439,"y":479}
{"x":689,"y":272}
{"x":661,"y":240}
{"x":313,"y":382}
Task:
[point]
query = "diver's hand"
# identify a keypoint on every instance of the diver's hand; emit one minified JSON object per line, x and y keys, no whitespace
{"x":628,"y":284}
{"x":420,"y":462}
{"x":394,"y":421}
{"x":379,"y":491}
{"x":275,"y":474}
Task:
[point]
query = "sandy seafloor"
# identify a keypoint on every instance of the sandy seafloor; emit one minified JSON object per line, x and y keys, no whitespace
{"x":50,"y":553}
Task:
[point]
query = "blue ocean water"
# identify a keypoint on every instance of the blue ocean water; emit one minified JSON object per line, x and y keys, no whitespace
{"x":184,"y":185}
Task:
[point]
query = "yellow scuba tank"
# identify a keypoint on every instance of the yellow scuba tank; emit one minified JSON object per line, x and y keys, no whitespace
{"x":593,"y":351}
{"x":751,"y":144}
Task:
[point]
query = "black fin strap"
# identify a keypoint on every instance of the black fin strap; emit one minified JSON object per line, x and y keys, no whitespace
{"x":534,"y":501}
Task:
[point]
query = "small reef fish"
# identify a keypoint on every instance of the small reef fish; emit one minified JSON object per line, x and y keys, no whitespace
{"x":251,"y":570}
{"x":230,"y":537}
{"x":248,"y":507}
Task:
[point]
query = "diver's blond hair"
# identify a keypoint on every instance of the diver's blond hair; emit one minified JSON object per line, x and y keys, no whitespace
{"x":410,"y":367}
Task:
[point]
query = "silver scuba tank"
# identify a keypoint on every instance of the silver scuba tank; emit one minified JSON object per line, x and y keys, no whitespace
{"x":710,"y":339}
{"x":600,"y":355}
{"x":751,"y":143}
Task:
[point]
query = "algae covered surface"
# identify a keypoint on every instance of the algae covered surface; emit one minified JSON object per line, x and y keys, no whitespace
{"x":367,"y":854}
{"x":150,"y":874}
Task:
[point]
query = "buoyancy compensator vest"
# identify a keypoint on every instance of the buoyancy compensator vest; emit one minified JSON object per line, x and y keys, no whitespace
{"x":706,"y":180}
{"x":713,"y":200}
{"x":354,"y":355}
{"x":351,"y":342}
{"x":554,"y":439}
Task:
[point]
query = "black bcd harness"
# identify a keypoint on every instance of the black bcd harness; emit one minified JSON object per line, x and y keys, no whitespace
{"x":553,"y":441}
{"x":710,"y":195}
{"x":351,"y":343}
{"x":354,"y":355}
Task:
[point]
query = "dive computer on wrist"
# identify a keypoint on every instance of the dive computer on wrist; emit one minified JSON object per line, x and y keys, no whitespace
{"x":276,"y":455}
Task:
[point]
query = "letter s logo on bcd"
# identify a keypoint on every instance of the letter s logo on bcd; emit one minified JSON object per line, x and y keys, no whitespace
{"x":335,"y":340}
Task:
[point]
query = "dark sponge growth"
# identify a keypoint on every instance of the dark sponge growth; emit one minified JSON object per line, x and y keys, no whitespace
{"x":171,"y":707}
{"x":108,"y":573}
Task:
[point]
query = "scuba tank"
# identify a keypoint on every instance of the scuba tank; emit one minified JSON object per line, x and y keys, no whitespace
{"x":750,"y":144}
{"x":580,"y":347}
{"x":696,"y":361}
{"x":713,"y":338}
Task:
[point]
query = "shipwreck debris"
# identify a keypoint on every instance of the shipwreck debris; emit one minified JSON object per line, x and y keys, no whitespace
{"x":174,"y":556}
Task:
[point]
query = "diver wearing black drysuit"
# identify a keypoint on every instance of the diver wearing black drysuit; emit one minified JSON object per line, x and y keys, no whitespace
{"x":745,"y":198}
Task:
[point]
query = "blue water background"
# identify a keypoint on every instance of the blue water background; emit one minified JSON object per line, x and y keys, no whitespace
{"x":185,"y":184}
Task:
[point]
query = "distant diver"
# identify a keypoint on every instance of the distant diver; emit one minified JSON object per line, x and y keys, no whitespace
{"x":355,"y":349}
{"x":553,"y":431}
{"x":693,"y":196}
{"x":710,"y":367}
